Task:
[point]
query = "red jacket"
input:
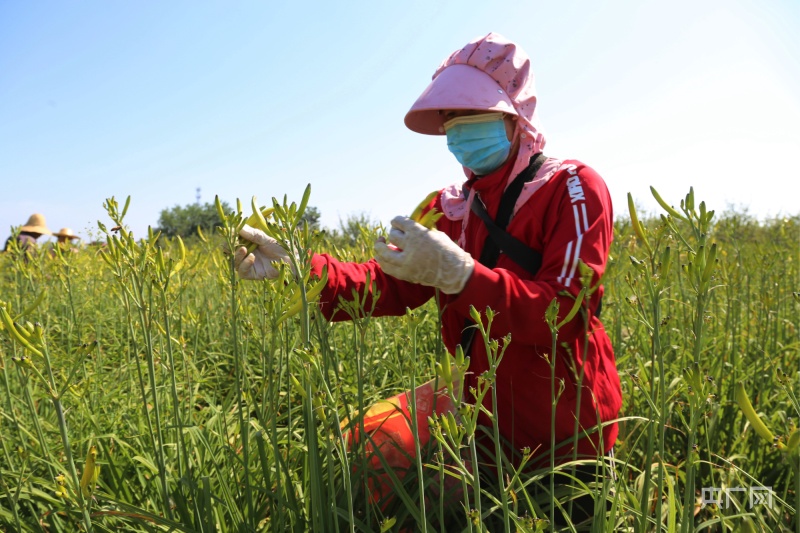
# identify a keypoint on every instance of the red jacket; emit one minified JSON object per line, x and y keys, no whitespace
{"x":569,"y":217}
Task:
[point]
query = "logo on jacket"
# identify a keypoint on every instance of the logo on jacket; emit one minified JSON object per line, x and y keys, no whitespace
{"x":574,"y":188}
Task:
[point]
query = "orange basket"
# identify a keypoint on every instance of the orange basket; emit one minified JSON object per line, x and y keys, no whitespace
{"x":388,"y":425}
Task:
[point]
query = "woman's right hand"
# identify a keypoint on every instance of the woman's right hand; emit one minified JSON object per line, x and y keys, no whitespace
{"x":258,"y":264}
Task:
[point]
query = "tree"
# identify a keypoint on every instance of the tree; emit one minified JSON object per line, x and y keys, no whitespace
{"x":312,"y":215}
{"x":184,"y":221}
{"x":356,"y":226}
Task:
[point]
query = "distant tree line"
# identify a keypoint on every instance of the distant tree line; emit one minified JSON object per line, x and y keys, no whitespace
{"x":184,"y":220}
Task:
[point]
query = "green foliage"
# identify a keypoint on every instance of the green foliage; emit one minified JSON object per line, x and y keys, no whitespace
{"x":352,"y":228}
{"x":312,"y":216}
{"x":210,"y":410}
{"x":184,"y":221}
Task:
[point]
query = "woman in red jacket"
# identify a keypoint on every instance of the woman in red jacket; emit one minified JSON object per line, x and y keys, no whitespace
{"x":482,"y":98}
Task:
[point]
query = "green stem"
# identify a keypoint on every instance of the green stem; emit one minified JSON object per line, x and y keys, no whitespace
{"x":314,"y":471}
{"x":144,"y":320}
{"x":139,"y":374}
{"x":498,"y":453}
{"x":553,"y":403}
{"x":415,"y":428}
{"x":688,"y":501}
{"x":476,"y":485}
{"x":239,"y":364}
{"x":26,"y":387}
{"x":184,"y":465}
{"x":361,"y":451}
{"x":12,"y":500}
{"x":662,"y":390}
{"x":578,"y":398}
{"x":797,"y":494}
{"x":62,"y":428}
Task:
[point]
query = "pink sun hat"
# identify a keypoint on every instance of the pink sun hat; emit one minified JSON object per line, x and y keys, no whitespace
{"x":456,"y":86}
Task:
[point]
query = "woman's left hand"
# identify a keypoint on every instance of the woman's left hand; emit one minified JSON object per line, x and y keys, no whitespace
{"x":424,"y":256}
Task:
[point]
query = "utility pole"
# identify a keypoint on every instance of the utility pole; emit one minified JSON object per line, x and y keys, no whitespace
{"x":198,"y":196}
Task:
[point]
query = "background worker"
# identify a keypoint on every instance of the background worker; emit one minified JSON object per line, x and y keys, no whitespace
{"x":66,"y":241}
{"x":34,"y":228}
{"x":483,"y":100}
{"x":66,"y":237}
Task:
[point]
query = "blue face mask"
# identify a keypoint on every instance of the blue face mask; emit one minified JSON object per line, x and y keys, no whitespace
{"x":479,"y":142}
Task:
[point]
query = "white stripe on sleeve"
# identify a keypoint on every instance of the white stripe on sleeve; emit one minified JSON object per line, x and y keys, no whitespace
{"x":575,"y":260}
{"x":567,"y":256}
{"x":585,"y":218}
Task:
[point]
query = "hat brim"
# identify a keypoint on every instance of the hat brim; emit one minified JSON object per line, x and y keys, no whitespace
{"x":456,"y":87}
{"x":36,"y":229}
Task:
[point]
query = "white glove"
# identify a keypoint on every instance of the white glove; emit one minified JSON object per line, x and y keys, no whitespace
{"x":258,"y":265}
{"x":424,"y":256}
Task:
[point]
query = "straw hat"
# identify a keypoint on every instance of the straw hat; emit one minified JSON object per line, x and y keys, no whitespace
{"x":36,"y":224}
{"x":66,"y":233}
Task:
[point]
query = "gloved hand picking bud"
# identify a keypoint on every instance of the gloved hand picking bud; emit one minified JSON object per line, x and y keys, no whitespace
{"x":420,"y":255}
{"x":258,"y":263}
{"x":257,"y":220}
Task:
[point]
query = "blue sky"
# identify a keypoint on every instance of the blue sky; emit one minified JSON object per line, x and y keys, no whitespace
{"x":155,"y":99}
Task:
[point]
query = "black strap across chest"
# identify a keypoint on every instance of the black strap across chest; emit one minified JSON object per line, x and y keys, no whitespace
{"x":499,"y":240}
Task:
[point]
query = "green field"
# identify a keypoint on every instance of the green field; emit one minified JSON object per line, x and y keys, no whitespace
{"x":207,"y":408}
